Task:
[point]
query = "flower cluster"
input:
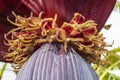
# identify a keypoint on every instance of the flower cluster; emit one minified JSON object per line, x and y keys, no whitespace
{"x":33,"y":31}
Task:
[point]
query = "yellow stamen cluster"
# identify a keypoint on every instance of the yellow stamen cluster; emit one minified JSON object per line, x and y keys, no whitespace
{"x":34,"y":31}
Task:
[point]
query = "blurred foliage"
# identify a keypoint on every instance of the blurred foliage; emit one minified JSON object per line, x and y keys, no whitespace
{"x":108,"y":71}
{"x":117,"y":6}
{"x":2,"y":70}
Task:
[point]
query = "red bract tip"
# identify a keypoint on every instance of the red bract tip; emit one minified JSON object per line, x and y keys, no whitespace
{"x":78,"y":18}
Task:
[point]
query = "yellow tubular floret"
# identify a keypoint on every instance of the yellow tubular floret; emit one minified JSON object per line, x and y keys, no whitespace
{"x":40,"y":16}
{"x":14,"y":23}
{"x":34,"y":31}
{"x":54,"y":21}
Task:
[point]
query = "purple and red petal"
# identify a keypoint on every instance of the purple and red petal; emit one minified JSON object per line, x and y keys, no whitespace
{"x":68,"y":29}
{"x":77,"y":35}
{"x":90,"y":31}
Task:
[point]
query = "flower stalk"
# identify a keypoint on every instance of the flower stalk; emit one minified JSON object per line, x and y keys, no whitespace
{"x":2,"y":70}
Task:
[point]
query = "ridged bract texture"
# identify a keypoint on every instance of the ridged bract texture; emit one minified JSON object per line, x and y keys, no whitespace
{"x":50,"y":62}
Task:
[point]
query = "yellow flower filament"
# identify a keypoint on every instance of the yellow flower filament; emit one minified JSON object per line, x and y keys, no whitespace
{"x":33,"y":31}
